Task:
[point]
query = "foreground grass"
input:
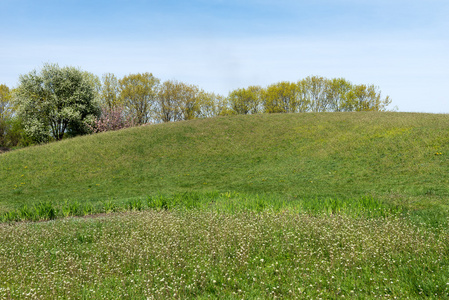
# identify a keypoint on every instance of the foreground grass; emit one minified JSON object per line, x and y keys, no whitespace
{"x":293,"y":206}
{"x":200,"y":254}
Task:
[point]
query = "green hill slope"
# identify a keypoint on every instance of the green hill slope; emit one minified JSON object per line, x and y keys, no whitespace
{"x":398,"y":157}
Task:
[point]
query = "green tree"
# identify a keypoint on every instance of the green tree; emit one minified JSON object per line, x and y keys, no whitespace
{"x":179,"y":101}
{"x":212,"y":105}
{"x":208,"y":104}
{"x":81,"y":128}
{"x":6,"y":105}
{"x":246,"y":101}
{"x":366,"y":98}
{"x":168,"y":109}
{"x":189,"y":100}
{"x":95,"y":82}
{"x":12,"y":133}
{"x":281,"y":97}
{"x":109,"y":93}
{"x":11,"y":126}
{"x":5,"y":112}
{"x":223,"y":105}
{"x":55,"y":100}
{"x":313,"y":92}
{"x":338,"y":94}
{"x":138,"y":92}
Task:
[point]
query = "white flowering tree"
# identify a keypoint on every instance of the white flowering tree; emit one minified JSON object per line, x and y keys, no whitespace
{"x":55,"y":101}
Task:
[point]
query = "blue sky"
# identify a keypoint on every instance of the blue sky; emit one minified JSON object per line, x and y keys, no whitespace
{"x":400,"y":46}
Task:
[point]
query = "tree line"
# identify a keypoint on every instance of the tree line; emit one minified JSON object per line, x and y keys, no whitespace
{"x":56,"y":102}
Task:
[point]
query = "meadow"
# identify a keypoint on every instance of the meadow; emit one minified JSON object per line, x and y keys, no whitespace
{"x":321,"y":205}
{"x":202,"y":254}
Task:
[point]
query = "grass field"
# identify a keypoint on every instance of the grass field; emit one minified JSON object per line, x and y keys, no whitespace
{"x":201,"y":254}
{"x":283,"y":205}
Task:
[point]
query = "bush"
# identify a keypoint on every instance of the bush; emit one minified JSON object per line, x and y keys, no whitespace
{"x":3,"y":130}
{"x":111,"y":119}
{"x":12,"y":133}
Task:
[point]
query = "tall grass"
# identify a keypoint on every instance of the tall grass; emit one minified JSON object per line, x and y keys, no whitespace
{"x":230,"y":202}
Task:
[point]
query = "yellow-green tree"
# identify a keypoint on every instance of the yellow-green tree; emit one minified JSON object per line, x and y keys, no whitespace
{"x":138,"y":92}
{"x":366,"y":98}
{"x":313,"y":92}
{"x":6,"y":110}
{"x":110,"y":92}
{"x":6,"y":105}
{"x":180,"y":101}
{"x":224,"y":107}
{"x":189,"y":101}
{"x":208,"y":104}
{"x":212,"y":105}
{"x":338,"y":94}
{"x":246,"y":101}
{"x":168,"y":107}
{"x":281,"y":97}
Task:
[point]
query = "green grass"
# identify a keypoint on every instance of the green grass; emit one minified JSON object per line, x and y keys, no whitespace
{"x":389,"y":156}
{"x":228,"y":202}
{"x":200,"y":254}
{"x":286,"y":205}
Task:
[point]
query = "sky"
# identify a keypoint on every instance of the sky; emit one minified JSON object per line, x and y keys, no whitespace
{"x":401,"y":46}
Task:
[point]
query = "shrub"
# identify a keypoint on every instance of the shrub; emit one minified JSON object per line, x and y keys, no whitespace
{"x":111,"y":119}
{"x":12,"y":133}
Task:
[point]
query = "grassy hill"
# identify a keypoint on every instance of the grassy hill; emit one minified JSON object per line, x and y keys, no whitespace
{"x":400,"y":158}
{"x":374,"y":188}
